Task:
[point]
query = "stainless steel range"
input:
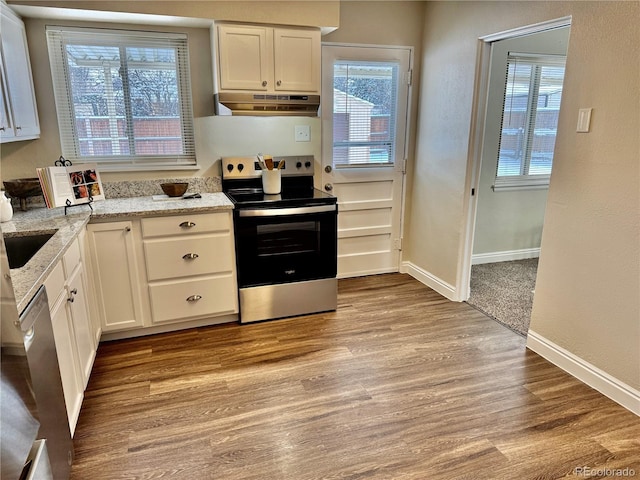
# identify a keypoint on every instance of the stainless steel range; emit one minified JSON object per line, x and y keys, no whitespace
{"x":286,"y":243}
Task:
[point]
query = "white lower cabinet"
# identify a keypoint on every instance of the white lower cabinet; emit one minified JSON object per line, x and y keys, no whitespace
{"x":190,"y":264}
{"x":72,"y":328}
{"x":116,"y":274}
{"x":154,"y":272}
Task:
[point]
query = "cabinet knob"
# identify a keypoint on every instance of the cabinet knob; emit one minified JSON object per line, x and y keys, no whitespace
{"x":187,"y":225}
{"x":190,"y":256}
{"x":2,"y":129}
{"x":328,"y":187}
{"x":264,"y":83}
{"x":18,"y":128}
{"x":194,"y":298}
{"x":279,"y":82}
{"x":127,"y":229}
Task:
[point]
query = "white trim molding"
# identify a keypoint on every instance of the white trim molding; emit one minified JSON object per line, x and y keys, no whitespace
{"x":426,"y":278}
{"x":587,"y":373}
{"x":505,"y":256}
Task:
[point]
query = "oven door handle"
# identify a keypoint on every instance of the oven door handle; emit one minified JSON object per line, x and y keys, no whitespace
{"x":277,"y":212}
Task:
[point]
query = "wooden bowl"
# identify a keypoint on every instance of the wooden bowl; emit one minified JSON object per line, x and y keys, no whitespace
{"x":174,"y":189}
{"x":23,"y":187}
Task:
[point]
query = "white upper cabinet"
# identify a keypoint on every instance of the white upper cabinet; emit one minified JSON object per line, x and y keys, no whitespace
{"x":268,"y":59}
{"x":19,"y":111}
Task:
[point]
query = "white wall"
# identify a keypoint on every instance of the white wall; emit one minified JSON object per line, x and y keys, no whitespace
{"x":587,"y":295}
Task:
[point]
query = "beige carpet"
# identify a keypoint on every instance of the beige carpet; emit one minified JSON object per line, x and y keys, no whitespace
{"x":504,"y":292}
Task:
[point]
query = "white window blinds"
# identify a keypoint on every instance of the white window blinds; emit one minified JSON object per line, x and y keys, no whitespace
{"x":123,"y":98}
{"x":364,"y":113}
{"x":533,"y":92}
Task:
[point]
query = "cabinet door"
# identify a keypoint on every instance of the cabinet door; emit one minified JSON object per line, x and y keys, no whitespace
{"x":65,"y":348}
{"x":6,"y":122}
{"x":94,"y":319}
{"x":245,"y":61}
{"x":18,"y":78}
{"x":115,"y":269}
{"x":82,"y":330}
{"x":297,"y":59}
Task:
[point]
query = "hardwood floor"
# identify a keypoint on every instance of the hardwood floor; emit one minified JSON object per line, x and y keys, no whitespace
{"x":398,"y":383}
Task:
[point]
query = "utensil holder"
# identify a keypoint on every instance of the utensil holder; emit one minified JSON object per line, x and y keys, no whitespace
{"x":271,"y":182}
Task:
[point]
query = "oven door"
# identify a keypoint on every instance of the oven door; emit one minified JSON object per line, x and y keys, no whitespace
{"x":283,"y":245}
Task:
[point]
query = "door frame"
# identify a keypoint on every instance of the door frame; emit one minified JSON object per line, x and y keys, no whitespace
{"x":476,"y":140}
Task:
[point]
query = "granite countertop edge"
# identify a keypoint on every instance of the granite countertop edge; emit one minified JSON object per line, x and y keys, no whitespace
{"x":28,"y":279}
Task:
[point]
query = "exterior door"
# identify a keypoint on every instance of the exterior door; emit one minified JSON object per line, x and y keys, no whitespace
{"x":365,"y":97}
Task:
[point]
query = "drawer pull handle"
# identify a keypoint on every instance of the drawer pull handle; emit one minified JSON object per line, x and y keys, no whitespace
{"x":194,"y":298}
{"x":187,"y":225}
{"x":190,"y":256}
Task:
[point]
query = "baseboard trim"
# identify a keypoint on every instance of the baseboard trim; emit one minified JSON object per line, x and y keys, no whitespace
{"x":505,"y":256}
{"x":609,"y":386}
{"x":443,"y":288}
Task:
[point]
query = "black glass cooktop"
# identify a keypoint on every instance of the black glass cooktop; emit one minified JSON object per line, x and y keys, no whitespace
{"x":288,"y":197}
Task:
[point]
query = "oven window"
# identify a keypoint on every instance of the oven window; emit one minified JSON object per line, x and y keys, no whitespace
{"x":287,"y":238}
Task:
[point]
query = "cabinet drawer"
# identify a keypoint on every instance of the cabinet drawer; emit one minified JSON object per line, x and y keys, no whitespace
{"x":71,"y":257}
{"x":169,"y":301}
{"x":169,"y":258}
{"x":186,"y":224}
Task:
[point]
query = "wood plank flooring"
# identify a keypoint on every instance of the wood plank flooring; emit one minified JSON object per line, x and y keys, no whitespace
{"x":398,"y":383}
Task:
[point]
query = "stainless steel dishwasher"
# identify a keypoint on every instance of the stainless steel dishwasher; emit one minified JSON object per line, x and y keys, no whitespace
{"x":32,"y":405}
{"x":42,"y":357}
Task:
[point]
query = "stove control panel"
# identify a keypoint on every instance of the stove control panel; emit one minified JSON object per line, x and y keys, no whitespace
{"x":249,"y":167}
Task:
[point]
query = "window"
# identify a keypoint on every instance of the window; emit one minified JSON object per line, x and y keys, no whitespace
{"x":123,"y":98}
{"x":364,"y":113}
{"x":529,"y":120}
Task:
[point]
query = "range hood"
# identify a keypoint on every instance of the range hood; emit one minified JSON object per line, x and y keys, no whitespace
{"x":266,"y":104}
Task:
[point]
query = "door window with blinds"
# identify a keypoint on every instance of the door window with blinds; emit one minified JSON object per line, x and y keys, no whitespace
{"x":364,"y":113}
{"x":533,"y":91}
{"x":123,"y":98}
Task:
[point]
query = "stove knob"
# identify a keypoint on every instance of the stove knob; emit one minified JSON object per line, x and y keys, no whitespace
{"x":241,"y":166}
{"x":307,"y":164}
{"x":298,"y":164}
{"x":230,"y":167}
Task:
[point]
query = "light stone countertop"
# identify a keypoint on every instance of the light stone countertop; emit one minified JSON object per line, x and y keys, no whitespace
{"x":28,"y":279}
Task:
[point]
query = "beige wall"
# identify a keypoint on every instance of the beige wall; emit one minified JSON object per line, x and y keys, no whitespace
{"x":284,"y":12}
{"x":587,"y":296}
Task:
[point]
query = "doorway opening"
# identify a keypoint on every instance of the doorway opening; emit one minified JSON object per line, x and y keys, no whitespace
{"x":519,"y":89}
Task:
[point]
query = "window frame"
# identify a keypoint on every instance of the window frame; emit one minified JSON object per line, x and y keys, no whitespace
{"x":526,"y":180}
{"x":58,"y":37}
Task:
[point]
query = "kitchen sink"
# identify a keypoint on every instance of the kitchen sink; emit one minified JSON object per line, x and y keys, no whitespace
{"x":21,"y":249}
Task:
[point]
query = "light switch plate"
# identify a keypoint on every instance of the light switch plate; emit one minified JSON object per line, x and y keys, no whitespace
{"x":303,"y":133}
{"x":584,"y":120}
